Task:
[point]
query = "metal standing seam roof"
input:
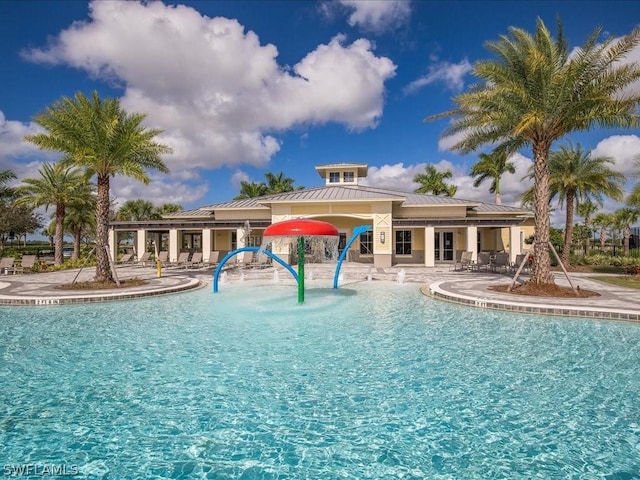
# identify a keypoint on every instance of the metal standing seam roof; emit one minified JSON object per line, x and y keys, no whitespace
{"x":351,"y":193}
{"x":194,"y":213}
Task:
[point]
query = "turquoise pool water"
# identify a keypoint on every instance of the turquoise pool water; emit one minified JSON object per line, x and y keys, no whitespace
{"x":373,"y":380}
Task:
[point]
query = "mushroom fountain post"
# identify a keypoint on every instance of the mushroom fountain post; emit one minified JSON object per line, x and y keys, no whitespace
{"x":300,"y":228}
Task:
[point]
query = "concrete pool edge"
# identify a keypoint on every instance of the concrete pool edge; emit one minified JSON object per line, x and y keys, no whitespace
{"x":536,"y":306}
{"x":101,"y":296}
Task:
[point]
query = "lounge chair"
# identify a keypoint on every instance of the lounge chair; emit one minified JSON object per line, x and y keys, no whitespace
{"x":464,"y":263}
{"x":144,"y":259}
{"x":195,"y":262}
{"x":27,"y":263}
{"x":163,"y":257}
{"x":7,"y":265}
{"x":214,"y":258}
{"x":126,"y":258}
{"x":183,"y":260}
{"x":501,"y":262}
{"x":246,"y":260}
{"x":484,"y":261}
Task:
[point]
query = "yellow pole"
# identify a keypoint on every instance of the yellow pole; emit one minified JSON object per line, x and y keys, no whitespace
{"x":159,"y":268}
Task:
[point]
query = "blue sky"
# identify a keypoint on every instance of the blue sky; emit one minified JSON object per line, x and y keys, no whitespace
{"x":244,"y":88}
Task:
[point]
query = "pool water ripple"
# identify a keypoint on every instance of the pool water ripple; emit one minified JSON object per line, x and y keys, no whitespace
{"x":373,"y":380}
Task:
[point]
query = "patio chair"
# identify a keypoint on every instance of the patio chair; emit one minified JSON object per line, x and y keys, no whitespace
{"x":260,"y":261}
{"x":182,"y":261}
{"x":214,"y":257}
{"x":144,"y":259}
{"x":126,"y":258}
{"x":195,"y":262}
{"x":465,"y":262}
{"x":519,"y":259}
{"x":163,"y":257}
{"x":484,"y":261}
{"x":7,"y":265}
{"x":27,"y":263}
{"x":501,"y":262}
{"x":246,"y":260}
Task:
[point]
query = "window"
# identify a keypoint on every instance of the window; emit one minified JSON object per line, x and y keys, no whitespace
{"x":348,"y":177}
{"x":366,"y":243}
{"x":234,"y":240}
{"x":334,"y":177}
{"x":403,"y":242}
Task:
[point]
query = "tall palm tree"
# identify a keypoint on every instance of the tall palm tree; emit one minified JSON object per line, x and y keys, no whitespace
{"x":80,"y":217}
{"x":604,"y":221}
{"x":5,"y":177}
{"x":586,"y":209}
{"x":99,"y":136}
{"x":624,"y":218}
{"x":574,"y":175}
{"x":136,"y":210}
{"x":58,"y":186}
{"x":433,"y":181}
{"x":251,"y":190}
{"x":492,"y":166}
{"x":167,"y":208}
{"x":279,"y":183}
{"x":535,"y":92}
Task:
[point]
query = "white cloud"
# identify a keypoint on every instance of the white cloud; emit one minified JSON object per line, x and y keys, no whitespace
{"x":624,"y":149}
{"x":450,"y":74}
{"x":220,"y":95}
{"x":377,"y":16}
{"x":237,"y":177}
{"x":160,"y":190}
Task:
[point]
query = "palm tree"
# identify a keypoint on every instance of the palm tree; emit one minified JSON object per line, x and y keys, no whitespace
{"x":81,"y":218}
{"x":279,"y":183}
{"x":136,"y":210}
{"x":586,"y":209}
{"x":102,"y":138}
{"x":5,"y":177}
{"x":167,"y":208}
{"x":59,"y":186}
{"x":433,"y":181}
{"x":574,"y":175}
{"x":624,"y":218}
{"x":251,"y":190}
{"x":604,"y":221}
{"x":492,"y":166}
{"x":535,"y":92}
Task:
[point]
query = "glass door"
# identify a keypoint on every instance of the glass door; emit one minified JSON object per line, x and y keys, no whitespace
{"x":443,"y":245}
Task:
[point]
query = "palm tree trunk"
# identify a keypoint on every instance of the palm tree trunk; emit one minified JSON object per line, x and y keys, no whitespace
{"x":103,"y":268}
{"x":77,"y":237}
{"x":627,"y":234}
{"x":57,"y":257}
{"x":568,"y":228}
{"x":542,"y":264}
{"x":587,"y":244}
{"x":498,"y":198}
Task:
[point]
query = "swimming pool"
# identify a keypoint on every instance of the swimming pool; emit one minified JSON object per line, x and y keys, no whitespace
{"x":373,"y":380}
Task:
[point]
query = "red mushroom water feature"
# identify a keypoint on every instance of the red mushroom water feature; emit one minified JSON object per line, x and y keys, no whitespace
{"x":300,"y":228}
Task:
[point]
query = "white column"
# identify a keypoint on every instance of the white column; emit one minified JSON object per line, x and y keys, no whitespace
{"x":514,"y":242}
{"x":141,"y":243}
{"x":240,"y":237}
{"x":173,"y":245}
{"x":429,"y":247}
{"x":472,"y":242}
{"x":112,"y":244}
{"x":207,"y":246}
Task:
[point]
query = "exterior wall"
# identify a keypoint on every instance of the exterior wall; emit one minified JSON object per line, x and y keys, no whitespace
{"x":262,"y":214}
{"x":430,"y":212}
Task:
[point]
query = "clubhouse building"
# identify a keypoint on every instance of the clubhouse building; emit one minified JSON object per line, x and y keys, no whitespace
{"x":406,"y":228}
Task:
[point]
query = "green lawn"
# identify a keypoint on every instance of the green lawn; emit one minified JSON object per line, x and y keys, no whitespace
{"x":629,"y":281}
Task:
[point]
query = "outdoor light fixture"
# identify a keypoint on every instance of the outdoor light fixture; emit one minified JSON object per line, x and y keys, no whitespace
{"x":381,"y":237}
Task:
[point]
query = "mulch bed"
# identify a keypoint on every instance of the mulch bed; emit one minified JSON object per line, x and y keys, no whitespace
{"x":544,"y":290}
{"x":131,"y":282}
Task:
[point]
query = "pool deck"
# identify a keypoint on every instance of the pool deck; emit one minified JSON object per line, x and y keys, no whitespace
{"x":467,"y":288}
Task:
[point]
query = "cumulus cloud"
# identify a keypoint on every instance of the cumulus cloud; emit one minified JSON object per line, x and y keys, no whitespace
{"x":218,"y":93}
{"x":377,"y":16}
{"x":238,"y":177}
{"x":450,"y":74}
{"x":160,"y":190}
{"x":624,"y":149}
